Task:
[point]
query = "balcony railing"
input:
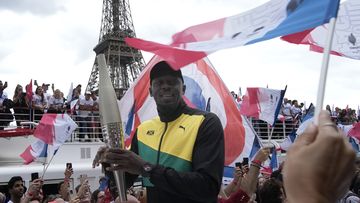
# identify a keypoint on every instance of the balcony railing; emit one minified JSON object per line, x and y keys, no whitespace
{"x":89,"y":129}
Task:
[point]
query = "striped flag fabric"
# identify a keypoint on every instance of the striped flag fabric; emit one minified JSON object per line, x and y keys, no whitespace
{"x":38,"y":149}
{"x":262,"y":103}
{"x":346,"y":41}
{"x":204,"y":90}
{"x":288,"y":141}
{"x":272,"y":19}
{"x":29,"y":92}
{"x":55,"y":129}
{"x":308,"y":118}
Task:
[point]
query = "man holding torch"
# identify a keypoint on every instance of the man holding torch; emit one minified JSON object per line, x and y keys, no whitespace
{"x":180,"y":153}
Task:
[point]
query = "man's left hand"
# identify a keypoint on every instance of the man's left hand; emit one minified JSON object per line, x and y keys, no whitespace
{"x":124,"y":160}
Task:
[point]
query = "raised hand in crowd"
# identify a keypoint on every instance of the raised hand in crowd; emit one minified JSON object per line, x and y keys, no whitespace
{"x":84,"y":192}
{"x":64,"y":189}
{"x":68,"y":172}
{"x":248,"y":183}
{"x":243,"y":186}
{"x":319,"y":165}
{"x":34,"y":192}
{"x":230,"y":188}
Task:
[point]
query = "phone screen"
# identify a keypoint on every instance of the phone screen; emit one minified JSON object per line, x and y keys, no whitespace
{"x":69,"y":165}
{"x":34,"y":176}
{"x":238,"y":164}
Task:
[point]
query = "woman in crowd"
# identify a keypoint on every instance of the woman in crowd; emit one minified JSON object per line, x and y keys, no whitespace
{"x":56,"y":103}
{"x":21,"y":105}
{"x":39,"y":103}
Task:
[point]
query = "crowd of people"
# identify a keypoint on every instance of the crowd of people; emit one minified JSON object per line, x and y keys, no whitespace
{"x":292,"y":110}
{"x":18,"y":193}
{"x":30,"y":106}
{"x":180,"y":158}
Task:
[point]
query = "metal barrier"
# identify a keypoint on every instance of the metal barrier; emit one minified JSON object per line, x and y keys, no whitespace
{"x":279,"y":131}
{"x":89,"y":127}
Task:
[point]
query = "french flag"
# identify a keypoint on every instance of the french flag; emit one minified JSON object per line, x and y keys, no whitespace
{"x":38,"y":149}
{"x":29,"y":92}
{"x":308,"y":118}
{"x":288,"y":141}
{"x":206,"y":91}
{"x":55,"y":129}
{"x":262,"y":103}
{"x":346,"y":36}
{"x":272,"y":19}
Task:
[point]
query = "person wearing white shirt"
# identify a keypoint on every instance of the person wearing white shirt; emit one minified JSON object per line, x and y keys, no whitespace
{"x":85,"y":110}
{"x":39,"y":103}
{"x":56,"y":103}
{"x":5,"y":113}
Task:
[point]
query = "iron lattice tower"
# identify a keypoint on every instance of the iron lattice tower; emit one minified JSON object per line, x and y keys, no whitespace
{"x":124,"y":62}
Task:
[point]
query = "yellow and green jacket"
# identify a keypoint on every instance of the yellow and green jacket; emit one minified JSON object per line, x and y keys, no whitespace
{"x":188,"y":152}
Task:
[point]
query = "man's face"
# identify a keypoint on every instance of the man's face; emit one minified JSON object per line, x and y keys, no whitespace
{"x":18,"y":189}
{"x":167,"y":90}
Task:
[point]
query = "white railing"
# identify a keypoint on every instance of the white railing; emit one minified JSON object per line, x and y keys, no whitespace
{"x":89,"y":129}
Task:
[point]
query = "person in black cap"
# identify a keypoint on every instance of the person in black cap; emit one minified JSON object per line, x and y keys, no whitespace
{"x":179,"y":154}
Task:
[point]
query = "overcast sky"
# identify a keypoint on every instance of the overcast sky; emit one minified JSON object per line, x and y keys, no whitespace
{"x":52,"y":41}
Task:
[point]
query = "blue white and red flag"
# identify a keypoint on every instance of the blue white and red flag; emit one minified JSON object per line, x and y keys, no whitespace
{"x":206,"y":91}
{"x":346,"y":37}
{"x":273,"y":19}
{"x":55,"y":129}
{"x":38,"y":149}
{"x":262,"y":103}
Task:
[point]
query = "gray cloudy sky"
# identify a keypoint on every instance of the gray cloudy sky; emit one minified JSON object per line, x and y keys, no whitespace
{"x":52,"y":41}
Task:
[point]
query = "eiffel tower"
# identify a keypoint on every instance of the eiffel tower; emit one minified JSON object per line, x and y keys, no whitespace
{"x":124,"y":62}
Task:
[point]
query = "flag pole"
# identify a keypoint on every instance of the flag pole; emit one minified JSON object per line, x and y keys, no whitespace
{"x":47,"y":166}
{"x":324,"y":70}
{"x":252,"y":129}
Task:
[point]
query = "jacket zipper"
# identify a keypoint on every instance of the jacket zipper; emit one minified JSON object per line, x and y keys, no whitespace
{"x":158,"y":154}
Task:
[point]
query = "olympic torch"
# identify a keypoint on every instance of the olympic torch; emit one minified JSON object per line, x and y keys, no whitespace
{"x":110,"y":119}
